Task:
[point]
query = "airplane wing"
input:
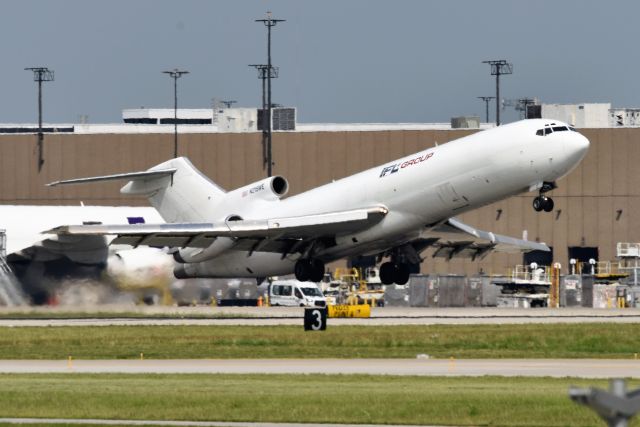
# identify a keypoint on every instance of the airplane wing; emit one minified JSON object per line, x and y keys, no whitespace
{"x":273,"y":234}
{"x":453,"y":238}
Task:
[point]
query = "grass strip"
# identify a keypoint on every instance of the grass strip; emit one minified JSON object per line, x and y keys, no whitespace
{"x":42,"y":424}
{"x":491,"y":401}
{"x":591,"y":340}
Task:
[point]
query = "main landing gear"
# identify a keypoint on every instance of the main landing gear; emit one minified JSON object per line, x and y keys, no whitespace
{"x":542,"y":202}
{"x":309,"y":270}
{"x":394,"y":273}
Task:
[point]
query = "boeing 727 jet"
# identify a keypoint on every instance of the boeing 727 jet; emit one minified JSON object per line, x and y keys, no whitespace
{"x":394,"y":211}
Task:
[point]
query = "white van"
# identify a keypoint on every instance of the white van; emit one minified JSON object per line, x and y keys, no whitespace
{"x":296,"y":294}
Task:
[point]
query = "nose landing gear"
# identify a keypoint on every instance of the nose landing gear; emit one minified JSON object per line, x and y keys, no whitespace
{"x":542,"y":202}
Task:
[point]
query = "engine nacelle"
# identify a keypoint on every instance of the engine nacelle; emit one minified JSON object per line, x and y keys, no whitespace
{"x":270,"y":189}
{"x":190,"y":255}
{"x":237,"y":264}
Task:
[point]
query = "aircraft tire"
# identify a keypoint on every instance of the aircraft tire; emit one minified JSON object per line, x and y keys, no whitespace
{"x":538,"y":204}
{"x":302,"y":270}
{"x":387,"y":273}
{"x":317,"y":271}
{"x":401,"y":274}
{"x":548,"y":204}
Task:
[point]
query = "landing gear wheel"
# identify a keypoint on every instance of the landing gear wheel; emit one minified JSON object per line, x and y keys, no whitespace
{"x":394,"y":273}
{"x":317,"y":271}
{"x":401,"y":274}
{"x":538,"y":204}
{"x":302,"y":270}
{"x":543,"y":203}
{"x":387,"y":273}
{"x":309,"y":270}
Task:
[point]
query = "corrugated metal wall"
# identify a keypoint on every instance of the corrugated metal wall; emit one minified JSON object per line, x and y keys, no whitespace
{"x":587,"y":202}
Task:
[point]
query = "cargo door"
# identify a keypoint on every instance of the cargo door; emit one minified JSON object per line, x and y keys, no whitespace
{"x":450,"y":197}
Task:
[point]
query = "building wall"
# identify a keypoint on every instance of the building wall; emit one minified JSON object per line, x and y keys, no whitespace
{"x":579,"y":115}
{"x":597,"y":205}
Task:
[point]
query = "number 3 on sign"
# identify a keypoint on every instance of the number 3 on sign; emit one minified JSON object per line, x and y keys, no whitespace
{"x":315,"y":319}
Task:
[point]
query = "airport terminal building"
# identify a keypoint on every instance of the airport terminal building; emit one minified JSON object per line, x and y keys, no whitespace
{"x":596,"y":206}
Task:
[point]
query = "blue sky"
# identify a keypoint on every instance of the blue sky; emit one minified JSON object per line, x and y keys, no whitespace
{"x":340,"y":61}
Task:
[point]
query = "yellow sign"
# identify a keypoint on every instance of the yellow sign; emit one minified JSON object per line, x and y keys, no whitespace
{"x":361,"y":310}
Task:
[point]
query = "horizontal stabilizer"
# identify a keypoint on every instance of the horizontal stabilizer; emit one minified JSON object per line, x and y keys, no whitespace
{"x":131,"y":176}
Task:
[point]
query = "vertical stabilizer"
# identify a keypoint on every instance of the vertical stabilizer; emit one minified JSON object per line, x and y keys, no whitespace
{"x":185,"y":196}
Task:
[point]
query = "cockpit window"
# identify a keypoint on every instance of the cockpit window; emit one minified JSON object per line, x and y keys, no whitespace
{"x":550,"y":128}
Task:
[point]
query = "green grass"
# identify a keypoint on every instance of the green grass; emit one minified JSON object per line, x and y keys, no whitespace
{"x":299,"y":398}
{"x":71,"y":425}
{"x":197,"y":342}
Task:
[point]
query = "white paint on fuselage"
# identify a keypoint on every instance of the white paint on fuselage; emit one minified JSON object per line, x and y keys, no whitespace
{"x":458,"y":176}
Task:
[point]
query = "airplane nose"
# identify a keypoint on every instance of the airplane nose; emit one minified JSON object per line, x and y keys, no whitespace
{"x":577,"y":146}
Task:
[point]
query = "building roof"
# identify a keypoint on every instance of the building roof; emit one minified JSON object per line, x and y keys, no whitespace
{"x":128,"y":128}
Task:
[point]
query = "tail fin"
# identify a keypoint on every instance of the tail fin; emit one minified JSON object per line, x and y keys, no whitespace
{"x":184,"y":196}
{"x":179,"y":191}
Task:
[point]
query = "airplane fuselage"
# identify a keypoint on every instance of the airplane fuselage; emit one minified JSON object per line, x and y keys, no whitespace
{"x":419,"y":191}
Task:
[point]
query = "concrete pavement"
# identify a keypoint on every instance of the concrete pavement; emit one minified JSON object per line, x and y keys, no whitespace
{"x":421,"y":366}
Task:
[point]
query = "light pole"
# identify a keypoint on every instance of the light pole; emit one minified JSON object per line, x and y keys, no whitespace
{"x":269,"y":22}
{"x":262,"y":75}
{"x":175,"y":74}
{"x":40,"y":74}
{"x":486,"y":100}
{"x":498,"y":68}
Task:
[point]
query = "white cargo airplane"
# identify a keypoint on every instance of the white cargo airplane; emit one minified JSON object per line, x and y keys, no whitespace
{"x":396,"y":210}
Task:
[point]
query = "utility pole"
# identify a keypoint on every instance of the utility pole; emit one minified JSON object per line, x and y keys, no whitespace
{"x":228,"y":104}
{"x":175,"y":74}
{"x":269,"y":22}
{"x":486,"y":100}
{"x":262,"y":75}
{"x":40,"y":74}
{"x":498,"y":68}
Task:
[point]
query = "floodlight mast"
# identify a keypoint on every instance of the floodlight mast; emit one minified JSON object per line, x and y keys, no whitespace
{"x":269,"y":22}
{"x":486,"y":100}
{"x":175,"y":74}
{"x":262,"y":75}
{"x":498,"y":68}
{"x":41,"y":74}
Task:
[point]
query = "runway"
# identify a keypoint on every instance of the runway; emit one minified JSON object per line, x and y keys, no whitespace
{"x":106,"y":316}
{"x":579,"y":368}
